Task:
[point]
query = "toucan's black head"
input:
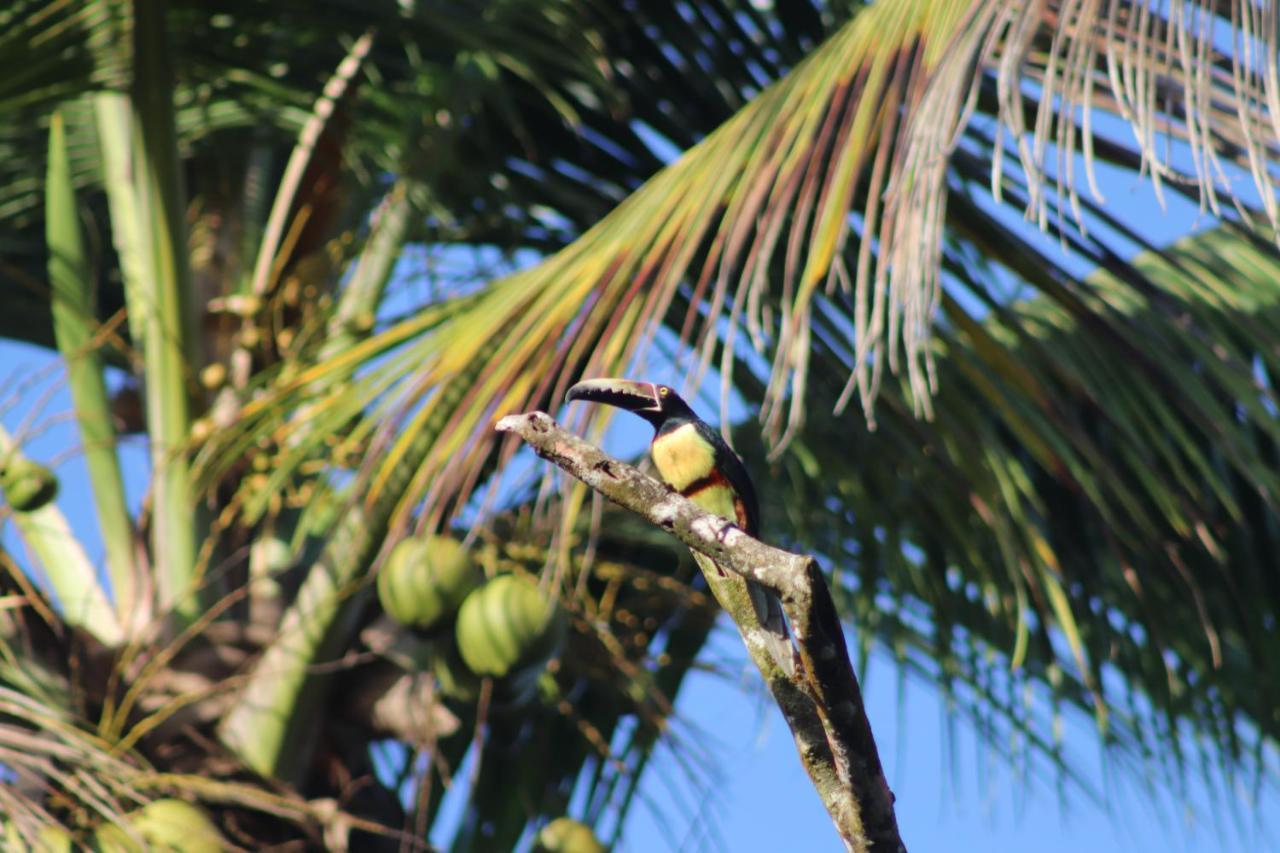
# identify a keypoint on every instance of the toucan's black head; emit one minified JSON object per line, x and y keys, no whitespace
{"x":655,"y":403}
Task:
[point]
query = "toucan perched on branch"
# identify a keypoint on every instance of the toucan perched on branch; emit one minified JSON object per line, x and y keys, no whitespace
{"x":695,"y":461}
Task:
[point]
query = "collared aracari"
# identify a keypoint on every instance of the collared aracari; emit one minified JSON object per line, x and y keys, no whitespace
{"x":694,"y":460}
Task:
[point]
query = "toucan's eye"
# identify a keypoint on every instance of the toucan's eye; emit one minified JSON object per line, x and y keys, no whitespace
{"x":663,"y":390}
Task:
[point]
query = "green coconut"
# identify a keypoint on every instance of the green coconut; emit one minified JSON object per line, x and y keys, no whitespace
{"x":50,"y":838}
{"x":506,"y":625}
{"x":53,"y":839}
{"x":110,"y":838}
{"x":27,"y":485}
{"x":425,"y":579}
{"x":170,"y":825}
{"x":566,"y":835}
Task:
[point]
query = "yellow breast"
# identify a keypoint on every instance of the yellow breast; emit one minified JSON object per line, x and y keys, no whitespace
{"x":688,"y":464}
{"x":682,"y":457}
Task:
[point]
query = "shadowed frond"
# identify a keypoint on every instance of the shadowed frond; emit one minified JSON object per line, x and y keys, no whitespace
{"x":1094,"y":508}
{"x":53,"y":51}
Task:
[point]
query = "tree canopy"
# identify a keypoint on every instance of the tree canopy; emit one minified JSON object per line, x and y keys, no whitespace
{"x":312,"y":251}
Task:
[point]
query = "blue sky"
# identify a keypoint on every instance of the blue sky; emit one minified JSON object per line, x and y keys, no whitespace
{"x":974,"y":803}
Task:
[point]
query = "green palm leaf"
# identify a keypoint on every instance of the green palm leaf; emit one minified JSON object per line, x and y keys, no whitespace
{"x":1070,"y":507}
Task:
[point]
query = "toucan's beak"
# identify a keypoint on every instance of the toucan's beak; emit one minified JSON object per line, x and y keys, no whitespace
{"x":623,"y":393}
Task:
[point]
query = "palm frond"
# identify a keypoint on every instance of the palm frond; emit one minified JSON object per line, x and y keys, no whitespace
{"x":593,"y":306}
{"x":751,"y":222}
{"x":1092,"y":507}
{"x":50,"y":52}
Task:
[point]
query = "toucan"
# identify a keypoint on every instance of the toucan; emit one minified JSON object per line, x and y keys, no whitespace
{"x":694,"y":460}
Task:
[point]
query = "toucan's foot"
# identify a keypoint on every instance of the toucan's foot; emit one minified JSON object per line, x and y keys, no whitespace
{"x":723,"y":533}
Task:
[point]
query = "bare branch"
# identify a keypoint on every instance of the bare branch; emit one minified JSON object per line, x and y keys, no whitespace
{"x":821,"y":702}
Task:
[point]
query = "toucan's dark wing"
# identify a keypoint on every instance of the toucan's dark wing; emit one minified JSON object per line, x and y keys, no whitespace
{"x":735,"y":472}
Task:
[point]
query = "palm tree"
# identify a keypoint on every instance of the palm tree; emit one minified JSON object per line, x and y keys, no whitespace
{"x":1062,"y":490}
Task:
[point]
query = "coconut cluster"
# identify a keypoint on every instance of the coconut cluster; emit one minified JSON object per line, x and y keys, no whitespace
{"x":504,"y":627}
